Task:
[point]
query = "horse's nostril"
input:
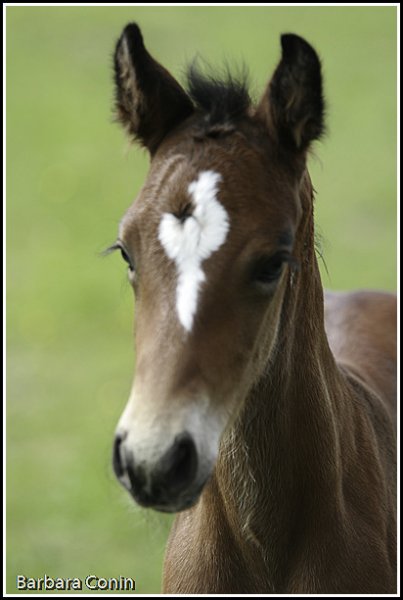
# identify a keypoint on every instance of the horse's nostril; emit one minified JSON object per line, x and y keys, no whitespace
{"x":132,"y":476}
{"x":156,"y":484}
{"x":179,"y":465}
{"x":117,"y":458}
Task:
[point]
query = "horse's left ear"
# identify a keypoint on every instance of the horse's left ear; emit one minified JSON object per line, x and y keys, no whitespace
{"x":149,"y":101}
{"x":293,"y":106}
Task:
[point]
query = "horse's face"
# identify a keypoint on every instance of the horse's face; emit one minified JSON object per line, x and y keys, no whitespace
{"x":210,"y":255}
{"x":209,"y":243}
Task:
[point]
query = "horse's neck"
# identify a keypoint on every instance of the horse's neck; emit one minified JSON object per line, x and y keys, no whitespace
{"x":280,"y":461}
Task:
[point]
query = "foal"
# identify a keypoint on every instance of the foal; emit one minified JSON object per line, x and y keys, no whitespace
{"x":261,"y":414}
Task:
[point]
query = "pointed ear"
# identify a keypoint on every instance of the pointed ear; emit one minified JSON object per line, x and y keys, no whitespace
{"x":149,"y":101}
{"x":293,"y":106}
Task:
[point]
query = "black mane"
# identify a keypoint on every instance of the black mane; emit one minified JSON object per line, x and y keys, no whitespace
{"x":223,"y":98}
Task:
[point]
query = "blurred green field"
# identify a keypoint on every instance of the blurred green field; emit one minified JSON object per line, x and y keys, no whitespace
{"x":69,"y":180}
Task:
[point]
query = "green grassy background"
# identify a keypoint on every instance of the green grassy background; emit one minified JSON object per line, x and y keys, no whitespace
{"x":69,"y":180}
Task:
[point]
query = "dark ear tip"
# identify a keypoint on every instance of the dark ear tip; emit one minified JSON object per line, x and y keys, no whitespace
{"x":293,"y":45}
{"x":133,"y":35}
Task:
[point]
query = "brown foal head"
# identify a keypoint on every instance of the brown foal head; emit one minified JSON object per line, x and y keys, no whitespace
{"x":210,"y":245}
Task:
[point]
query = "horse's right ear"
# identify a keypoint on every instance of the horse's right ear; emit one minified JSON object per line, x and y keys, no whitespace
{"x":149,"y":101}
{"x":292,"y":107}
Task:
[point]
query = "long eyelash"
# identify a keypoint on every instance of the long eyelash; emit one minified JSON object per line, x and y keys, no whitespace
{"x":110,"y":249}
{"x":119,"y":246}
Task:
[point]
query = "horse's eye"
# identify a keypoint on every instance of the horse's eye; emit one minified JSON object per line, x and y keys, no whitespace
{"x":268,"y":269}
{"x":126,"y":258}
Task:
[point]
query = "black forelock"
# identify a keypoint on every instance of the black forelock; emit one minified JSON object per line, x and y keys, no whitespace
{"x":222,"y":98}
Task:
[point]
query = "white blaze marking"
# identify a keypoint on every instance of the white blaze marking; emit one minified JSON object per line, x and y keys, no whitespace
{"x":191,"y":242}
